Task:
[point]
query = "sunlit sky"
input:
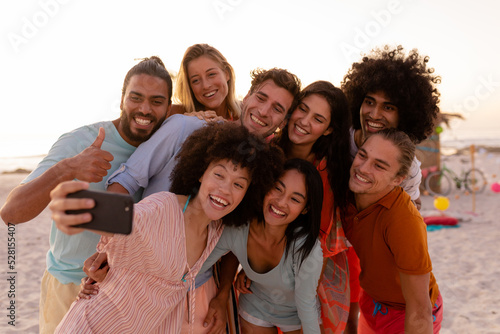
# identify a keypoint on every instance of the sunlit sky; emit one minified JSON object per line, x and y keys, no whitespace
{"x":63,"y":62}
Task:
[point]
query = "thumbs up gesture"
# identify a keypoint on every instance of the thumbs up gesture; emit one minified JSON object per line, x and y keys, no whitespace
{"x":92,"y":164}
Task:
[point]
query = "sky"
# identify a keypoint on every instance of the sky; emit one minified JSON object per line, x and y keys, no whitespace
{"x":62,"y":62}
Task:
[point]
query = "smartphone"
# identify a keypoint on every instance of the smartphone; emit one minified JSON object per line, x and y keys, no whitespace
{"x":112,"y":212}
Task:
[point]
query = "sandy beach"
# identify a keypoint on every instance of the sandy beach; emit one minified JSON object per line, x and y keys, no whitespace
{"x":466,"y":259}
{"x":31,"y":245}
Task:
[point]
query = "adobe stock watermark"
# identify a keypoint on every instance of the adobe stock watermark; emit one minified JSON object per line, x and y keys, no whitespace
{"x":30,"y":26}
{"x":362,"y":37}
{"x":486,"y":87}
{"x":224,"y":6}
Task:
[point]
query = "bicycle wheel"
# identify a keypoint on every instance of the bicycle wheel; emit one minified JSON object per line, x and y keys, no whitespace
{"x":475,"y":183}
{"x":438,"y":183}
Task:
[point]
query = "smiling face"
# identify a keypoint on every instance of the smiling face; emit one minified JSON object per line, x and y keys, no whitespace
{"x":223,"y":186}
{"x":377,"y":113}
{"x":310,"y":120}
{"x":144,"y":107}
{"x":264,"y":110}
{"x":374,"y":170}
{"x":287,"y":200}
{"x":208,"y":83}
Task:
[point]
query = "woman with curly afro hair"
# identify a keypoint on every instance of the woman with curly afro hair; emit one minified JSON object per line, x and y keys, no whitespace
{"x":390,"y":89}
{"x":220,"y":179}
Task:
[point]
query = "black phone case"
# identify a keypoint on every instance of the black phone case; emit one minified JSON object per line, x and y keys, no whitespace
{"x":112,"y":212}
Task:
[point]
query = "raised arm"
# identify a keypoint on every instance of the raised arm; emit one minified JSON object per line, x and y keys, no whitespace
{"x":60,"y":204}
{"x":26,"y":201}
{"x":418,"y":315}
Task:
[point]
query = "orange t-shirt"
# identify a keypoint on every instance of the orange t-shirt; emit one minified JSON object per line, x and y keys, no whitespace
{"x":390,"y":237}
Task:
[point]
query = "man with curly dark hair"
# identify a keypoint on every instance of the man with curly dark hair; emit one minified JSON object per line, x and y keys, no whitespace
{"x":390,"y":89}
{"x":409,"y":100}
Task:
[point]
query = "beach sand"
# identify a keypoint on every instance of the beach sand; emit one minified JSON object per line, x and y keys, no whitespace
{"x":31,"y":245}
{"x":466,"y":259}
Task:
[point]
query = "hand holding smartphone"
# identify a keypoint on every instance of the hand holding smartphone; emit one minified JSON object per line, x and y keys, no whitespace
{"x":112,"y":212}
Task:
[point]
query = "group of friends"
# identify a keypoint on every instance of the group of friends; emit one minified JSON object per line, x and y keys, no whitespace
{"x":313,"y":192}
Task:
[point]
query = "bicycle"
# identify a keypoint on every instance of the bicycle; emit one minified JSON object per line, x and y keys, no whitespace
{"x":440,"y":182}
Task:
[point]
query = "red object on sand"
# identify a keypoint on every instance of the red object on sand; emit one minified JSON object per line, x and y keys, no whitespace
{"x":440,"y":220}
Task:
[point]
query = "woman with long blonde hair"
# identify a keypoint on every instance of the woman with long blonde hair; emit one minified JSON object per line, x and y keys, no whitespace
{"x":205,"y":83}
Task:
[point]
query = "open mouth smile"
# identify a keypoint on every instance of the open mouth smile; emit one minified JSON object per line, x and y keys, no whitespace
{"x":219,"y":201}
{"x":360,"y":178}
{"x":258,"y":121}
{"x":276,"y":211}
{"x":375,"y":125}
{"x":210,"y":94}
{"x":142,"y":121}
{"x":301,"y":130}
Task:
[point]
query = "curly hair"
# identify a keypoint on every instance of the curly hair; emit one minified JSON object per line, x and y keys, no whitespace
{"x":152,"y":66}
{"x":281,"y":78}
{"x":183,"y":92}
{"x":405,"y":79}
{"x":219,"y":141}
{"x":335,"y":147}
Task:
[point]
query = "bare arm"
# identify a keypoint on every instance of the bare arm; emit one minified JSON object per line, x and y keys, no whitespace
{"x":418,"y":314}
{"x":218,"y":305}
{"x":117,"y":188}
{"x":26,"y":201}
{"x":242,"y":283}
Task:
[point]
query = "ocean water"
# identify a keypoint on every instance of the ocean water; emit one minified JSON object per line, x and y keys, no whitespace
{"x":11,"y":164}
{"x":23,"y":152}
{"x":464,"y":143}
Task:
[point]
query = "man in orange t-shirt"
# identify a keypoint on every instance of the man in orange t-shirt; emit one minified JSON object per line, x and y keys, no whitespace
{"x":400,"y":294}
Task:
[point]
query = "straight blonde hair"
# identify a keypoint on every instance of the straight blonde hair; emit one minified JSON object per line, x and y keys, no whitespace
{"x":183,"y":93}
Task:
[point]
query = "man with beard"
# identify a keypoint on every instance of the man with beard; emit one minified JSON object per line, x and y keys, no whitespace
{"x":88,"y":154}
